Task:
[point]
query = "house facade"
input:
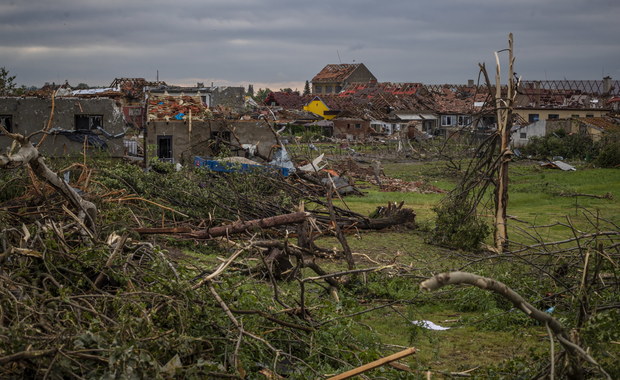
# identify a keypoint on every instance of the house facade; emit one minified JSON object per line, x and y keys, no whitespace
{"x":95,"y":123}
{"x":334,"y":78}
{"x":318,"y":107}
{"x":520,"y":135}
{"x":178,"y":141}
{"x":532,"y":115}
{"x":352,"y":128}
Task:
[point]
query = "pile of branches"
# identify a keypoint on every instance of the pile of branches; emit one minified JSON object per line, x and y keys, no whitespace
{"x":86,"y":298}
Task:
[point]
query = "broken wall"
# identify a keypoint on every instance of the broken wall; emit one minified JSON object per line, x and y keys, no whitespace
{"x":201,"y":139}
{"x":233,"y":97}
{"x":29,"y":115}
{"x":352,"y":129}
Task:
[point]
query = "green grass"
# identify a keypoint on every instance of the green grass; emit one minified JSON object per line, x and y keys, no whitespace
{"x":481,"y":337}
{"x":460,"y":348}
{"x":537,"y":195}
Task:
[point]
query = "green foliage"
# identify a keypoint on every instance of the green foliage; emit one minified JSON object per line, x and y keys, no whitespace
{"x":261,"y":95}
{"x":457,"y":226}
{"x":559,"y":143}
{"x":470,"y":299}
{"x":609,"y":151}
{"x":601,"y":334}
{"x":12,"y":184}
{"x":307,"y":88}
{"x":7,"y":82}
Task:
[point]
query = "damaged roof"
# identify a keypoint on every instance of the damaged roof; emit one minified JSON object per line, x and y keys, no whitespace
{"x":604,"y":123}
{"x":455,"y":99}
{"x":336,"y":72}
{"x":288,"y":100}
{"x":168,"y":107}
{"x":386,"y":87}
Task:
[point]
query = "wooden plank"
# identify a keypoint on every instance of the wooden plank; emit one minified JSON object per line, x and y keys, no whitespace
{"x":375,"y":364}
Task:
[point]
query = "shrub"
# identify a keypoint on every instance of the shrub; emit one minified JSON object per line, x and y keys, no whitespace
{"x":559,"y":143}
{"x":457,"y":226}
{"x":609,"y":151}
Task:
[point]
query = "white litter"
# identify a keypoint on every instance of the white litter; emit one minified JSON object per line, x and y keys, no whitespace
{"x":429,"y":325}
{"x":314,"y":166}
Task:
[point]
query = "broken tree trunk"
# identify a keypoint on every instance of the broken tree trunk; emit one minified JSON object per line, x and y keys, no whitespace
{"x":391,"y":215}
{"x":504,"y":123}
{"x":576,"y":352}
{"x":235,"y":228}
{"x":28,"y":154}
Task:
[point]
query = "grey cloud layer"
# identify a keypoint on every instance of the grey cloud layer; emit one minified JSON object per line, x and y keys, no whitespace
{"x":287,"y":41}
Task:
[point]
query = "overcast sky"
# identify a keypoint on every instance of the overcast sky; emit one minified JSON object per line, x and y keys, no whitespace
{"x":282,"y":43}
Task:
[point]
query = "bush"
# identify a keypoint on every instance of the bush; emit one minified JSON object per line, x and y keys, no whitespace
{"x":609,"y":151}
{"x":457,"y":226}
{"x":559,"y":143}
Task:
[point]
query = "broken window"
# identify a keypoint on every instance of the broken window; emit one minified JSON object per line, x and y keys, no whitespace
{"x":358,"y":126}
{"x":88,"y":122}
{"x":164,"y":148}
{"x":532,"y":117}
{"x":7,"y":122}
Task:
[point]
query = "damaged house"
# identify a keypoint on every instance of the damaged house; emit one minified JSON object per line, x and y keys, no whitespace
{"x":333,"y":78}
{"x":461,"y":107}
{"x":213,"y":97}
{"x":180,"y":128}
{"x":94,"y":123}
{"x":577,"y":106}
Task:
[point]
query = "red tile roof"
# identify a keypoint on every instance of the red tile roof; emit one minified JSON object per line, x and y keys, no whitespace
{"x":287,"y":100}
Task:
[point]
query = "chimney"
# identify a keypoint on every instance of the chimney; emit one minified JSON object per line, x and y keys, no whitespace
{"x":470,"y":83}
{"x":607,"y":85}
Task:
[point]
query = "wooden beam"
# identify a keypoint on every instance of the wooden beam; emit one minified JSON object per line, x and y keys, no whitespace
{"x":375,"y":364}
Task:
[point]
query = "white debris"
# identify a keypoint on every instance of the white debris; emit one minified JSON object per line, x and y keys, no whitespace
{"x":429,"y":325}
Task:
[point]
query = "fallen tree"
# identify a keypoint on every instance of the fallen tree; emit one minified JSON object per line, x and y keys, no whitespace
{"x":575,"y":352}
{"x":23,"y":152}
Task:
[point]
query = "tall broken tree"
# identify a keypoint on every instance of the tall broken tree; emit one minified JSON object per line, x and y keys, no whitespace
{"x":458,"y":224}
{"x":503,"y":108}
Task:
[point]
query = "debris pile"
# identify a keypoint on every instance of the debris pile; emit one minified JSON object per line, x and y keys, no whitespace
{"x":399,"y":185}
{"x":170,"y":107}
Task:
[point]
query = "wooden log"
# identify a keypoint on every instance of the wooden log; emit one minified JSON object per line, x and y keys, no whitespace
{"x":375,"y":364}
{"x":235,"y":228}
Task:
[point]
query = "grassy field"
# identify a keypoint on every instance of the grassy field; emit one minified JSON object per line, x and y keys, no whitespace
{"x":483,"y":331}
{"x":537,"y":195}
